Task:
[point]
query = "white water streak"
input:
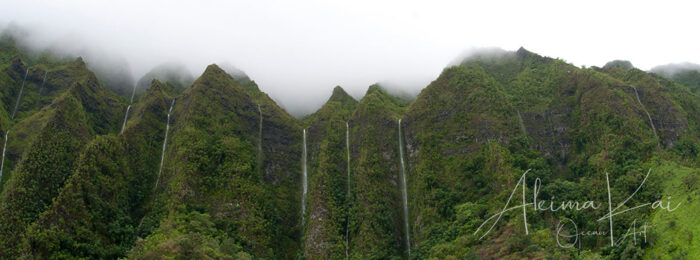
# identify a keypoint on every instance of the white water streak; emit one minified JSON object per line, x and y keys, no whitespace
{"x":133,"y":91}
{"x":2,"y":164}
{"x":20,"y":94}
{"x":131,"y":102}
{"x":126,"y":116}
{"x":404,"y":192}
{"x":165,"y":142}
{"x":653,"y":128}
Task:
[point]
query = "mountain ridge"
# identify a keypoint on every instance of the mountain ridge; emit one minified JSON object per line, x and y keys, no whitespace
{"x":214,"y":170}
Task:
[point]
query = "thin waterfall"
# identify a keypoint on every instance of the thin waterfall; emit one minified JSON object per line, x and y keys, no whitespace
{"x":2,"y":164}
{"x":126,"y":115}
{"x":20,"y":94}
{"x":162,"y":156}
{"x":522,"y":125}
{"x":404,"y":192}
{"x":131,"y":102}
{"x":133,"y":91}
{"x":347,"y":219}
{"x":165,"y":141}
{"x":303,"y":179}
{"x":653,"y":128}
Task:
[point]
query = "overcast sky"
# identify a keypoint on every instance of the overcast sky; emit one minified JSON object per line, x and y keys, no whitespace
{"x":298,"y":51}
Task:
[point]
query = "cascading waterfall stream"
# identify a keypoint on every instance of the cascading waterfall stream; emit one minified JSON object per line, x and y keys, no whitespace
{"x":2,"y":164}
{"x":522,"y":125}
{"x":404,"y":192}
{"x":133,"y":92}
{"x":303,"y":179}
{"x":20,"y":94}
{"x":347,"y":219}
{"x":126,"y":116}
{"x":165,"y":142}
{"x":651,"y":122}
{"x":162,"y":156}
{"x":131,"y":101}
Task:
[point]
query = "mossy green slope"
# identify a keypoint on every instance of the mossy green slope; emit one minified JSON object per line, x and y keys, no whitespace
{"x":112,"y":183}
{"x":54,"y":138}
{"x":327,"y":207}
{"x":376,"y":220}
{"x":667,"y":103}
{"x":472,"y":132}
{"x":101,"y":107}
{"x":211,"y":171}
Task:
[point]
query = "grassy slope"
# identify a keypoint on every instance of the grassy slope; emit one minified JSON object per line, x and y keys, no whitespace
{"x":675,"y":233}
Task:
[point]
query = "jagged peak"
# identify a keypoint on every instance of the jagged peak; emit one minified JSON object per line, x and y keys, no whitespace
{"x":214,"y":76}
{"x":525,"y":54}
{"x":375,"y":88}
{"x":158,"y":89}
{"x":213,"y":69}
{"x":522,"y":52}
{"x":340,"y":95}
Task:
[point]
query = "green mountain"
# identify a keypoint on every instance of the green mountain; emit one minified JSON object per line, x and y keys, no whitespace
{"x":375,"y":215}
{"x":113,"y":182}
{"x":213,"y":168}
{"x":217,"y":174}
{"x":326,"y":222}
{"x":46,"y":148}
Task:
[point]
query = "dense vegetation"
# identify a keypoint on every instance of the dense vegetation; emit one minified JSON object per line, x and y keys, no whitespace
{"x":75,"y":186}
{"x":328,"y":201}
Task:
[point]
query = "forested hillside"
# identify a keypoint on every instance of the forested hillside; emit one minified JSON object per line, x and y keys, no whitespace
{"x":211,"y":167}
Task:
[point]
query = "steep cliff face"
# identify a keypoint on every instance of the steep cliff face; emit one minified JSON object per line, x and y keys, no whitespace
{"x":481,"y":124}
{"x":214,"y":170}
{"x":46,"y":147}
{"x":211,"y":168}
{"x":327,"y":219}
{"x":660,"y":98}
{"x":71,"y":82}
{"x":450,"y":121}
{"x":376,"y":217}
{"x":112,"y":182}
